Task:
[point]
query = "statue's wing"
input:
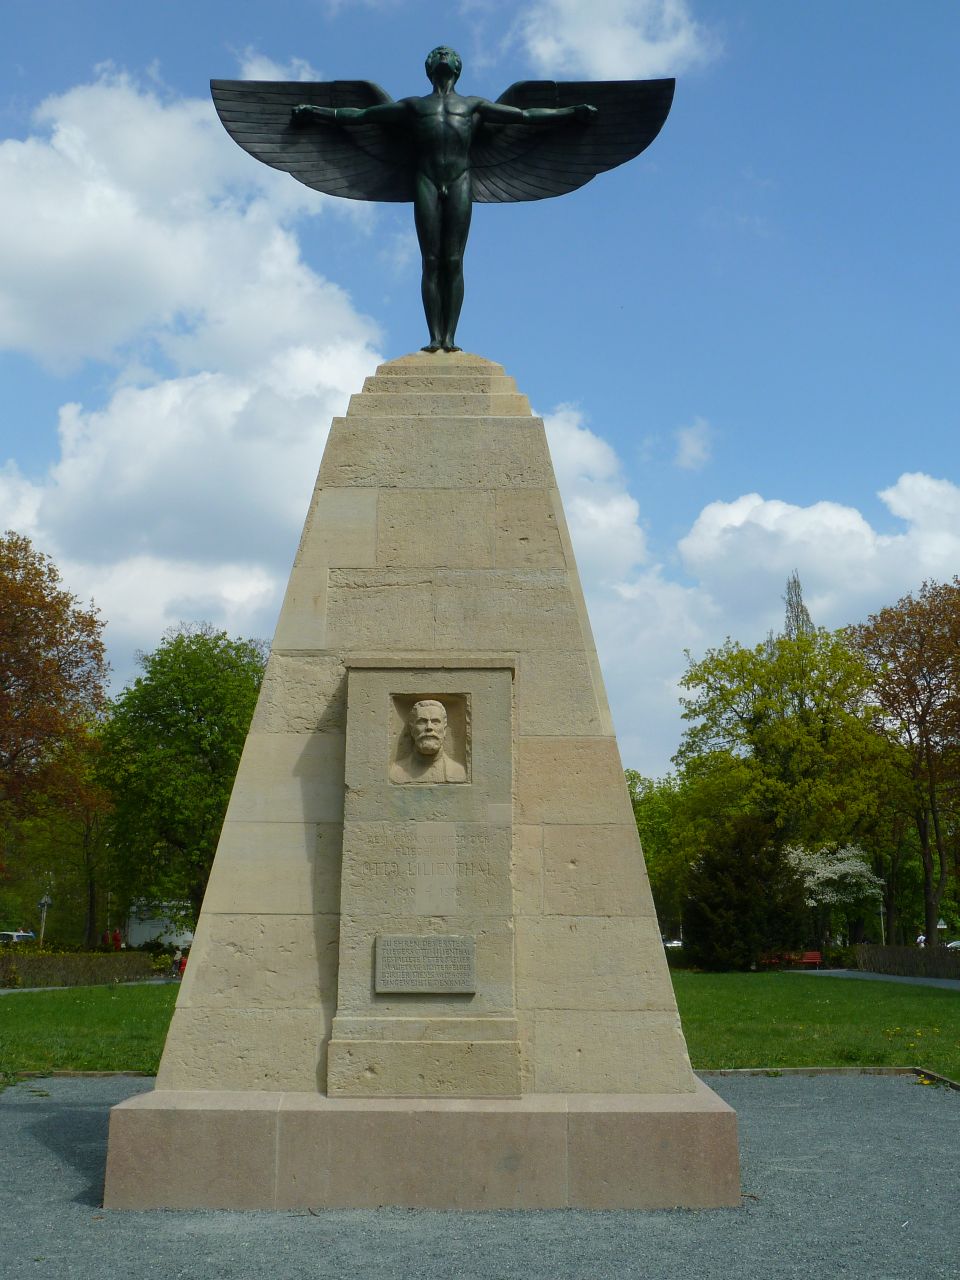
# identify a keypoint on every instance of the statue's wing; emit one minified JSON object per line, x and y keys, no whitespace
{"x":359,"y":162}
{"x":533,"y":161}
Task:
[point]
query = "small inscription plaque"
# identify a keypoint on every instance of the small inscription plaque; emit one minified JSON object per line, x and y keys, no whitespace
{"x":437,"y":963}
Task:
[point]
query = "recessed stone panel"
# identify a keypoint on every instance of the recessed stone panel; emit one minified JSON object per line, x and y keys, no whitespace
{"x":427,"y":868}
{"x":357,"y":995}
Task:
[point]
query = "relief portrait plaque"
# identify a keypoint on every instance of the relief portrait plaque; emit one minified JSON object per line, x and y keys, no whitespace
{"x":433,"y":744}
{"x":444,"y":964}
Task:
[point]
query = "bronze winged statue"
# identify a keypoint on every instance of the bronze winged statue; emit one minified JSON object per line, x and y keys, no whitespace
{"x":443,"y":151}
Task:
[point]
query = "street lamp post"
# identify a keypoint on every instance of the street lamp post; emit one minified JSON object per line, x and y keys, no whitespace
{"x":45,"y":902}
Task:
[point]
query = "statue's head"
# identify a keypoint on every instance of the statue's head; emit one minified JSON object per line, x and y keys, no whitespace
{"x":427,"y":723}
{"x":443,"y":56}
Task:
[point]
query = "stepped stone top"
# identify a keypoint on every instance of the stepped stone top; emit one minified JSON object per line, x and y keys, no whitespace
{"x":456,"y":363}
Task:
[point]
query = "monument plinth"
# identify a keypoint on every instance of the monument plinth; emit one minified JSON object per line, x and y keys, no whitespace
{"x":428,"y":970}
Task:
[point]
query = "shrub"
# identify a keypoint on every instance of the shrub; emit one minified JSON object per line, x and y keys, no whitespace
{"x":47,"y":968}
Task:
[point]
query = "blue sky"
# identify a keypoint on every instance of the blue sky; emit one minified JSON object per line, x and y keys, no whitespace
{"x":743,"y":343}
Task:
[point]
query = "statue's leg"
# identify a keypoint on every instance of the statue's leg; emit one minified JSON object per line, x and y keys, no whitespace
{"x":457,"y":208}
{"x":428,"y":219}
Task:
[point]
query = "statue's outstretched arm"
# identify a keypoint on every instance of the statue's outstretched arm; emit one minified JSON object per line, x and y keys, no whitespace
{"x":500,"y":113}
{"x":382,"y":113}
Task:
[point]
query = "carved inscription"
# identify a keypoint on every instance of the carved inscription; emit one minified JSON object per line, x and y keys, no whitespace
{"x":426,"y":964}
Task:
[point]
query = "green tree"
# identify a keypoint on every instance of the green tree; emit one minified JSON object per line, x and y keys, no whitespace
{"x":676,"y":817}
{"x":744,"y":898}
{"x":912,"y":651}
{"x":655,"y":807}
{"x":62,"y":848}
{"x":170,"y":753}
{"x":796,"y":711}
{"x":52,"y":671}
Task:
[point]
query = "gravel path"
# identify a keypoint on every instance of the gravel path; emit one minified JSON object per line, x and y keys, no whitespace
{"x":842,"y":1176}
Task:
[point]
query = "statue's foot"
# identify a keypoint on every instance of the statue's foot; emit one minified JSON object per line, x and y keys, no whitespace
{"x":448,"y":346}
{"x":433,"y":346}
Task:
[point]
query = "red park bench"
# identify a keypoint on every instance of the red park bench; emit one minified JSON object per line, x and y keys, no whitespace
{"x":808,"y":959}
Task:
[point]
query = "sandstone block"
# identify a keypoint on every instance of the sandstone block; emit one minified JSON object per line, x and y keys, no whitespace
{"x":596,"y":1051}
{"x":526,"y":530}
{"x":404,"y":383}
{"x":556,"y":696}
{"x":262,"y":961}
{"x":527,"y":871}
{"x":210,"y":1149}
{"x":571,"y":780}
{"x":289,"y":777}
{"x":341,"y":529}
{"x":426,"y":869}
{"x":595,"y":871}
{"x":520,"y":609}
{"x":346,"y":1027}
{"x":302,"y":693}
{"x":423,"y":1069}
{"x":302,"y":621}
{"x":436,"y":453}
{"x":386,"y":608}
{"x":281,"y":868}
{"x":427,"y":528}
{"x":591,"y":962}
{"x":440,"y":363}
{"x":695,"y":1140}
{"x":448,"y":403}
{"x":269,"y":1049}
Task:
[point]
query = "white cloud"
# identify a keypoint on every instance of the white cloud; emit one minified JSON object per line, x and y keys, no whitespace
{"x":130,"y":219}
{"x":694,"y":445}
{"x":257,"y":66}
{"x":136,"y":232}
{"x":603,"y":517}
{"x":614,"y":39}
{"x":742,"y":551}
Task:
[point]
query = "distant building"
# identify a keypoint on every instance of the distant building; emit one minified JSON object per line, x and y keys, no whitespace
{"x":150,"y":923}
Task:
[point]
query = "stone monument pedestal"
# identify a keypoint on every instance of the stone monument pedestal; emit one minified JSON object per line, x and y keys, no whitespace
{"x":428,"y":970}
{"x":201,"y":1149}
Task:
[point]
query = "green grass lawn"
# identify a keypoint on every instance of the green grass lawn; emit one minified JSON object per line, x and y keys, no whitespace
{"x":730,"y":1020}
{"x":85,"y":1029}
{"x":795,"y":1020}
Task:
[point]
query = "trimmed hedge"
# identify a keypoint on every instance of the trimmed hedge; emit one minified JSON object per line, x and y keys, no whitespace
{"x":908,"y":962}
{"x":24,"y":966}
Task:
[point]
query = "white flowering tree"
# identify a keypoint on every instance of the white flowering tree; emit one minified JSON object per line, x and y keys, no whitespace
{"x":834,"y":881}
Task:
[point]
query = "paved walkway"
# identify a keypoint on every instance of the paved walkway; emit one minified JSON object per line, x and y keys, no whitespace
{"x":843,"y":1176}
{"x":951,"y":984}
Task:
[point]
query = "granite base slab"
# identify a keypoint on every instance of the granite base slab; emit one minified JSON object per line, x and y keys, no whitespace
{"x":204,"y":1149}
